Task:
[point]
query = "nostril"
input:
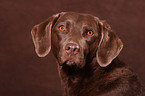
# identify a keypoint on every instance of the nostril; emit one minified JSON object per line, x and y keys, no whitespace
{"x":68,"y":48}
{"x":76,"y":50}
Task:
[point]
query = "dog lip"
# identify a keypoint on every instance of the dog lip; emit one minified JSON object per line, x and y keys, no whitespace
{"x":68,"y":62}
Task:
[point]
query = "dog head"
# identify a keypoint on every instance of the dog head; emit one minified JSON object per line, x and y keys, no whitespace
{"x":76,"y":38}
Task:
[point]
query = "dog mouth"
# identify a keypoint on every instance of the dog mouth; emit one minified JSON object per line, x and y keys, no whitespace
{"x":69,"y":67}
{"x":69,"y":62}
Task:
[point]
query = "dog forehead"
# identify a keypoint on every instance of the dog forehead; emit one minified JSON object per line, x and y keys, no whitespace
{"x":79,"y":18}
{"x":86,"y":19}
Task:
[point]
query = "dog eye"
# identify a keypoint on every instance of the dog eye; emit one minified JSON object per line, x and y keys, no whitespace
{"x":90,"y":33}
{"x":61,"y":28}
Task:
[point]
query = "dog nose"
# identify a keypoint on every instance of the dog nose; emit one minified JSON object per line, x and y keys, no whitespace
{"x":72,"y":48}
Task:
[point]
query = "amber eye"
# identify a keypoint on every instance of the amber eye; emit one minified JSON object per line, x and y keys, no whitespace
{"x":61,"y":28}
{"x":90,"y":33}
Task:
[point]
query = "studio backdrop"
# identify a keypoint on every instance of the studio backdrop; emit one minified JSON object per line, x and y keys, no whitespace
{"x":23,"y":73}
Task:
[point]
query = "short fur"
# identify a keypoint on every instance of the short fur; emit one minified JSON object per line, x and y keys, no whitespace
{"x":88,"y":64}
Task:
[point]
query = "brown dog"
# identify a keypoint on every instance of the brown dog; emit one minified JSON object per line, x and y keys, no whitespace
{"x":86,"y":50}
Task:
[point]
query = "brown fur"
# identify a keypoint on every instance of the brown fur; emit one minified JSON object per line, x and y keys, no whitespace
{"x":88,"y":65}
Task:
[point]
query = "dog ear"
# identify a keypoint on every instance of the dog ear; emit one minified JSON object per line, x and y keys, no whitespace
{"x":109,"y":47}
{"x":41,"y":35}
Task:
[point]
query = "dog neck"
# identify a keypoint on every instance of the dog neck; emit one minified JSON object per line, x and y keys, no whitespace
{"x":73,"y":79}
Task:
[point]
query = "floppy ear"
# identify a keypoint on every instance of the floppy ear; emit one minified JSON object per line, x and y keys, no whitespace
{"x":109,"y":47}
{"x":41,"y":35}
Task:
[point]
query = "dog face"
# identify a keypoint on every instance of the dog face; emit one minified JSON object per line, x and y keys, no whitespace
{"x":75,"y":35}
{"x":75,"y":39}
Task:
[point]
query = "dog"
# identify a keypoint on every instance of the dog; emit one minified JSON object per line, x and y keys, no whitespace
{"x":87,"y":52}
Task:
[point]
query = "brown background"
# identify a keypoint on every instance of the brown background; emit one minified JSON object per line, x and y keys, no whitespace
{"x":23,"y":73}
